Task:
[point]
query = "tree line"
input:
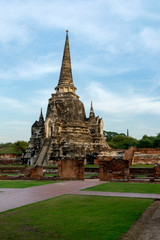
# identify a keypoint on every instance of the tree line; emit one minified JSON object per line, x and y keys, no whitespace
{"x":17,"y":147}
{"x":121,"y":141}
{"x":114,"y":139}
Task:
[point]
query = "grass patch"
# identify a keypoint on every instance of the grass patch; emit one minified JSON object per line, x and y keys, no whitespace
{"x":142,"y":166}
{"x":23,"y":184}
{"x":91,"y":175}
{"x":50,"y":166}
{"x":11,"y":149}
{"x":142,"y":176}
{"x":51,"y":175}
{"x":1,"y":166}
{"x":91,"y":166}
{"x":126,"y":187}
{"x":73,"y":217}
{"x":9,"y":174}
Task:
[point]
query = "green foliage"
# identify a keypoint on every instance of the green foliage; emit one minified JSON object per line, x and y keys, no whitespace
{"x":20,"y":146}
{"x":15,"y":148}
{"x":121,"y":141}
{"x":110,"y":135}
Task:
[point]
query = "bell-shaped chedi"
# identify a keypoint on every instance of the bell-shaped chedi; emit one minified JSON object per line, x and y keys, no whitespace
{"x":69,"y":134}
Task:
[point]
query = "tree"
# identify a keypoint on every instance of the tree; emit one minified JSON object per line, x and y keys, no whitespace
{"x":110,"y":135}
{"x":20,"y":146}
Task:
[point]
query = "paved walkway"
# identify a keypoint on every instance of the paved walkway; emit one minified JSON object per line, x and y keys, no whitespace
{"x":15,"y":197}
{"x":12,"y":198}
{"x":120,"y":194}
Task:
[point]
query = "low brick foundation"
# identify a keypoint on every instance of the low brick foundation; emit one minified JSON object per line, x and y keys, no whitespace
{"x":71,"y":169}
{"x":8,"y":156}
{"x":11,"y":169}
{"x":142,"y":171}
{"x":33,"y":172}
{"x":157,"y":171}
{"x":10,"y":162}
{"x":114,"y":169}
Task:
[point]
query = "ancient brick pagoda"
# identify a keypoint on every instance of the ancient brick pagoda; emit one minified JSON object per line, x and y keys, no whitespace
{"x":66,"y":133}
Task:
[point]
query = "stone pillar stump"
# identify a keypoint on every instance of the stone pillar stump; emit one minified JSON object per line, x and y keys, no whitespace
{"x":71,"y":169}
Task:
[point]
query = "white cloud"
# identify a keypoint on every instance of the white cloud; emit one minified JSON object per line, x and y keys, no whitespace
{"x":10,"y":102}
{"x":31,"y":70}
{"x":122,"y":104}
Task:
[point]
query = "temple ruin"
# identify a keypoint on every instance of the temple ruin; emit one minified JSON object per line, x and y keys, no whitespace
{"x":66,"y":132}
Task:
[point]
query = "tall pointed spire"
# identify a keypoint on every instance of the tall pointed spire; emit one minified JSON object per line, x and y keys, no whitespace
{"x":65,"y":83}
{"x":91,"y":115}
{"x":41,"y":118}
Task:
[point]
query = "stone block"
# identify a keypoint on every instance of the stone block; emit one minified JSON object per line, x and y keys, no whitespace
{"x":71,"y":169}
{"x":114,"y":169}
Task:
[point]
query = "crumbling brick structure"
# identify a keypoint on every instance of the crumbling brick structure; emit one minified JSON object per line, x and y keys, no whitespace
{"x":114,"y":169}
{"x":146,"y":156}
{"x":129,"y":154}
{"x":72,"y":169}
{"x":157,"y":171}
{"x":32,"y":172}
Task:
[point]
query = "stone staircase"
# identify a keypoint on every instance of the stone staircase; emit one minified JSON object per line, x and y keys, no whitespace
{"x":43,"y":152}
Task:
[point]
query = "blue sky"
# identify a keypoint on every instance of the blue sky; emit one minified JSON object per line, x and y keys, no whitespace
{"x":115,"y":54}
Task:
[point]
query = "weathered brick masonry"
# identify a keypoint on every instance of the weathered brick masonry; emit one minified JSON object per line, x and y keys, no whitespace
{"x":71,"y":169}
{"x":114,"y":169}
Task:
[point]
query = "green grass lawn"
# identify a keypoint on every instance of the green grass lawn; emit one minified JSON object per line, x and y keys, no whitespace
{"x":91,"y":166}
{"x":142,"y":166}
{"x":91,"y":175}
{"x":126,"y":187}
{"x":51,"y":175}
{"x":23,"y":184}
{"x":73,"y":217}
{"x":9,"y":174}
{"x":16,"y":165}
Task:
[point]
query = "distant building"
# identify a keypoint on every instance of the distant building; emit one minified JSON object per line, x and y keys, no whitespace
{"x":66,"y":132}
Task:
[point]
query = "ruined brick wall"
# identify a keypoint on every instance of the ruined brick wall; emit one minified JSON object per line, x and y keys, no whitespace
{"x":142,"y":171}
{"x":33,"y":172}
{"x":157,"y":171}
{"x":114,"y":169}
{"x":148,"y":150}
{"x":109,"y":154}
{"x":11,"y":169}
{"x":10,"y":162}
{"x":71,"y":169}
{"x":128,"y":154}
{"x":146,"y":156}
{"x":10,"y":156}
